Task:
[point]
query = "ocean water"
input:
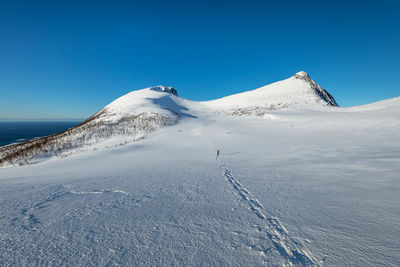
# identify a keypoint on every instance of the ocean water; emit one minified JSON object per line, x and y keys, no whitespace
{"x":14,"y":132}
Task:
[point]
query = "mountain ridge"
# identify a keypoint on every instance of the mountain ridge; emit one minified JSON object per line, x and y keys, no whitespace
{"x":133,"y":116}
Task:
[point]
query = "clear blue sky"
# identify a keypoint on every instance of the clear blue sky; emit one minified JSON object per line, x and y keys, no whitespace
{"x":67,"y":59}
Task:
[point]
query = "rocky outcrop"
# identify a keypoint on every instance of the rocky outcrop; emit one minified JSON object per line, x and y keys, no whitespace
{"x":165,"y":89}
{"x":318,"y":89}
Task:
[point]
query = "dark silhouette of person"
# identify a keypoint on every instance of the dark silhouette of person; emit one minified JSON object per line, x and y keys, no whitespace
{"x":217,"y":153}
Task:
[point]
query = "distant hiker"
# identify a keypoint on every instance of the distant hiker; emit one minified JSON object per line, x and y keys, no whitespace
{"x":217,"y":154}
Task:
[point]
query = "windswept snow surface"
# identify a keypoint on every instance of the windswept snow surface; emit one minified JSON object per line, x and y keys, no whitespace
{"x":304,"y":187}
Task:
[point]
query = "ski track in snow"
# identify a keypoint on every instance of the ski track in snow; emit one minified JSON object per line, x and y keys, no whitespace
{"x":288,"y":248}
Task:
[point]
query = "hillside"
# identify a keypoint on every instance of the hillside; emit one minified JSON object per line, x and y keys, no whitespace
{"x":133,"y":116}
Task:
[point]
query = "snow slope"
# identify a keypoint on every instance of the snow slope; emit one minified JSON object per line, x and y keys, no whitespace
{"x":131,"y":117}
{"x":128,"y":119}
{"x":310,"y":185}
{"x":299,"y":91}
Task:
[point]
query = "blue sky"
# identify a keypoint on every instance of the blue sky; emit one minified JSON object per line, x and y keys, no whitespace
{"x":67,"y":59}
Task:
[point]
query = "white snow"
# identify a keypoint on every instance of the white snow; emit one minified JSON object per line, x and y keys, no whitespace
{"x":292,"y":92}
{"x":307,"y":184}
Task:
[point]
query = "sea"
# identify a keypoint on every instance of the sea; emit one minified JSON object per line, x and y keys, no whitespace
{"x":20,"y":131}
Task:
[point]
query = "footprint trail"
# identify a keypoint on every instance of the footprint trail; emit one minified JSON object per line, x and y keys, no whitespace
{"x":293,"y":252}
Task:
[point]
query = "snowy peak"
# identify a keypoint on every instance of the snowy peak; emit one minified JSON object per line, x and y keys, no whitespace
{"x":148,"y":100}
{"x":165,"y":89}
{"x":128,"y":119}
{"x":296,"y":92}
{"x":302,"y":75}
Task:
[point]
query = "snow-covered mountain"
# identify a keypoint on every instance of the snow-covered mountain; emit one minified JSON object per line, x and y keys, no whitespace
{"x":125,"y":120}
{"x":131,"y":117}
{"x":299,"y":91}
{"x":299,"y":182}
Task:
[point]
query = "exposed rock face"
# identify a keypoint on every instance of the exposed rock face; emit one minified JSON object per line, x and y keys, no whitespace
{"x":165,"y":89}
{"x":318,"y":89}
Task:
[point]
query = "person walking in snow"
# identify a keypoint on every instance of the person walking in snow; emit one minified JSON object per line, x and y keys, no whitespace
{"x":217,"y":154}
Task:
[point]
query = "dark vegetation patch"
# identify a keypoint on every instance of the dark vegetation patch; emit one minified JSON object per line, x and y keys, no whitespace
{"x":91,"y":131}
